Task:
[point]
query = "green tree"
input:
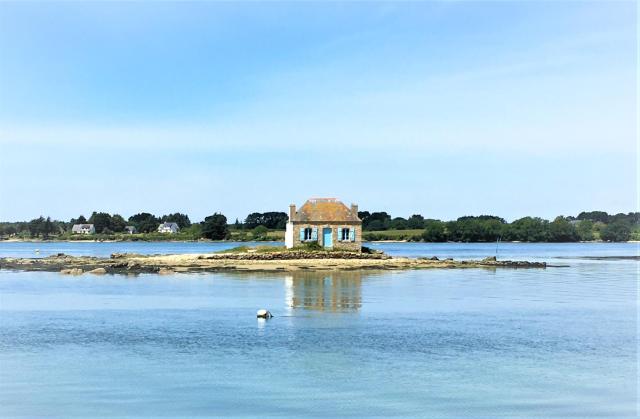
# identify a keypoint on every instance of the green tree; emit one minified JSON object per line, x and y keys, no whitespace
{"x":364,"y":217}
{"x":585,"y":230}
{"x":398,"y":223}
{"x":144,"y":222}
{"x":100,"y":221}
{"x":379,"y":221}
{"x":475,"y":229}
{"x":181,"y":219}
{"x":617,"y":231}
{"x":47,"y":228}
{"x":8,"y":229}
{"x":79,"y":220}
{"x":23,"y":227}
{"x":273,"y":219}
{"x":35,"y":226}
{"x":416,"y":221}
{"x":117,"y":223}
{"x":215,"y":227}
{"x":601,"y":216}
{"x":374,"y":221}
{"x":434,"y":231}
{"x":260,"y":232}
{"x":375,"y":225}
{"x":494,"y":228}
{"x":528,"y":229}
{"x":194,"y":231}
{"x":561,"y":230}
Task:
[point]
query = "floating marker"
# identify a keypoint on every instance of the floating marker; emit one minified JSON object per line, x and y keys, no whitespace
{"x":264,"y":314}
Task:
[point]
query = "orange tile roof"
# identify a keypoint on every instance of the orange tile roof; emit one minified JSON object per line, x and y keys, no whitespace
{"x":325,"y":209}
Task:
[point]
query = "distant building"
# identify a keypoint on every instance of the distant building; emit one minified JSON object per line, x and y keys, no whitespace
{"x":83,"y":229}
{"x":326,"y":221}
{"x":170,"y":228}
{"x":130,"y":230}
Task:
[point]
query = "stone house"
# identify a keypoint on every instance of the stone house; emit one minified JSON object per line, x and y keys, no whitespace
{"x":326,"y":221}
{"x":83,"y":229}
{"x":169,"y":227}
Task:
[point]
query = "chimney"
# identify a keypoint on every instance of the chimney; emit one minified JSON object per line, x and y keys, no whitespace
{"x":292,"y":212}
{"x":354,"y":209}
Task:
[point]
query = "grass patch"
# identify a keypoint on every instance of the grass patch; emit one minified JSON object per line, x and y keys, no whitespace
{"x":257,"y":249}
{"x":276,"y":235}
{"x":250,"y":235}
{"x":313,"y":247}
{"x":270,"y":249}
{"x":237,"y":249}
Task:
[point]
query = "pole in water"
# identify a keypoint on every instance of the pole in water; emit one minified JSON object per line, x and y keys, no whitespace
{"x":263,"y":314}
{"x":497,"y":242}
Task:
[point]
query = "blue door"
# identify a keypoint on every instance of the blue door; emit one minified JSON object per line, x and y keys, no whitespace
{"x":327,"y":237}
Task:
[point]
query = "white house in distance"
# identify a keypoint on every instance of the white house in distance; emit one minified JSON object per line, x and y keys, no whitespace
{"x":83,"y":229}
{"x":130,"y":230}
{"x":170,"y":228}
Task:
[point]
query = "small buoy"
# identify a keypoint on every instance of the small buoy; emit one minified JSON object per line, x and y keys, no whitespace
{"x":264,"y":314}
{"x":37,"y":250}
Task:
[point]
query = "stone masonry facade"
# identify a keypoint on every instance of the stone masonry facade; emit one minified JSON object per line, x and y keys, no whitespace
{"x":317,"y":216}
{"x":355,"y":245}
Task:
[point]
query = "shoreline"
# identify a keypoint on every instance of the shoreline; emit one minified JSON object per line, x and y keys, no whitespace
{"x":243,"y":262}
{"x":13,"y":240}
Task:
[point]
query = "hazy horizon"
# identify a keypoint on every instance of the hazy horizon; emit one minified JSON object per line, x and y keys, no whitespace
{"x":444,"y":109}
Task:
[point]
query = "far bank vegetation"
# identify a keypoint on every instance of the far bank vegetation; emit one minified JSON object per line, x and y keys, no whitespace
{"x":377,"y":226}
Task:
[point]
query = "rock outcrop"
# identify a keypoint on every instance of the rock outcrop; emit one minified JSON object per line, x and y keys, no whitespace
{"x":271,"y":261}
{"x":72,"y":271}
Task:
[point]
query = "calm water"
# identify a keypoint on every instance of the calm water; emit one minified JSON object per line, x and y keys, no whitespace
{"x":559,"y":342}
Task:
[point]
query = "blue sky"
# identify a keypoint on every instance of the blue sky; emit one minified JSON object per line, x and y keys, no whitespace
{"x":443,"y":108}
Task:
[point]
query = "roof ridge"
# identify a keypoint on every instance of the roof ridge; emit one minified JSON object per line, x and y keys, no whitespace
{"x":325,"y":209}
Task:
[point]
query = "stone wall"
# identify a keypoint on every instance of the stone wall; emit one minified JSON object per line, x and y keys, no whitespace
{"x":346,"y":245}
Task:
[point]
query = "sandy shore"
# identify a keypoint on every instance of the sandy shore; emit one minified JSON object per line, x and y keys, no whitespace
{"x":279,"y":261}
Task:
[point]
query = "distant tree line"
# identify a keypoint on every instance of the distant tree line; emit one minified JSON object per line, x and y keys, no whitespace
{"x":586,"y":226}
{"x":377,"y":221}
{"x":38,"y":227}
{"x":213,"y":227}
{"x":270,"y":220}
{"x":144,"y":222}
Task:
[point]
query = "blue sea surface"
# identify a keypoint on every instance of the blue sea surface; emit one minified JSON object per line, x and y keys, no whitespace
{"x":554,"y":342}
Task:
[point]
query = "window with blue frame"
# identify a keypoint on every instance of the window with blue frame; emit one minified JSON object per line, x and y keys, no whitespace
{"x":308,"y":233}
{"x":346,"y":234}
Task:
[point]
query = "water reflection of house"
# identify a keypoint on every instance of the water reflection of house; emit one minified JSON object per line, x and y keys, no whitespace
{"x":331,"y":291}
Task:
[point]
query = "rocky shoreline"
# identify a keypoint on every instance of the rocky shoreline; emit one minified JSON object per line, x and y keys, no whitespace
{"x":123,"y":263}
